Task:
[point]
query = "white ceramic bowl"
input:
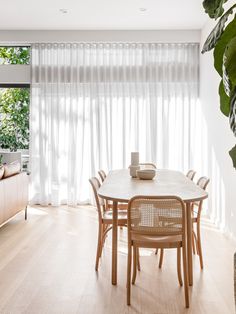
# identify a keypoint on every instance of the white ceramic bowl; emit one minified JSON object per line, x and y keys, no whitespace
{"x":147,"y":174}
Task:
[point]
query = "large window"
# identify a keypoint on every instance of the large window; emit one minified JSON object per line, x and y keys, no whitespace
{"x":14,"y":102}
{"x":14,"y":118}
{"x":14,"y":55}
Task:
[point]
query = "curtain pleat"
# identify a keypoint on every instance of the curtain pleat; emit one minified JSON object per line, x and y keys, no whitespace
{"x":94,"y":103}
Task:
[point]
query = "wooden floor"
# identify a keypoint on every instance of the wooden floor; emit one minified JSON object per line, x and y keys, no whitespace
{"x":47,"y":266}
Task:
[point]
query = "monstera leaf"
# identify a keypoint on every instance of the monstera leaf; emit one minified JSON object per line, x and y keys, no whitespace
{"x":214,"y":8}
{"x":217,"y":31}
{"x":232,"y":154}
{"x":229,"y":67}
{"x":232,"y":114}
{"x":224,"y":100}
{"x":228,"y":34}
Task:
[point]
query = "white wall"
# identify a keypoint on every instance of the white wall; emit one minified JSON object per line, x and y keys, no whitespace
{"x":28,"y":37}
{"x":219,"y":139}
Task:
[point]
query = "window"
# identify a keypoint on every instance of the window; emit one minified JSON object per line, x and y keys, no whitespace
{"x":14,"y":100}
{"x":14,"y":55}
{"x":14,"y":118}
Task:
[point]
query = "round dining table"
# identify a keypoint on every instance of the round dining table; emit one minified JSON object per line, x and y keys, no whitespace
{"x":119,"y":186}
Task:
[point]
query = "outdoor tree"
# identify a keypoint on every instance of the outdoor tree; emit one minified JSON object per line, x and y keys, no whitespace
{"x":14,"y":113}
{"x":14,"y":104}
{"x":14,"y":55}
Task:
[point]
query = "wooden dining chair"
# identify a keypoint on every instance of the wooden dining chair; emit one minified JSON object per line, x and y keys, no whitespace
{"x":102,"y":175}
{"x":196,"y":220}
{"x":156,"y":222}
{"x":190,"y":174}
{"x":104,"y":219}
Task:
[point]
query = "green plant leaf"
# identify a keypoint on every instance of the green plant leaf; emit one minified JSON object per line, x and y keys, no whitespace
{"x":229,"y":67}
{"x":228,"y":34}
{"x":217,"y":31}
{"x":232,"y":114}
{"x":232,"y":154}
{"x":214,"y":8}
{"x":224,"y":100}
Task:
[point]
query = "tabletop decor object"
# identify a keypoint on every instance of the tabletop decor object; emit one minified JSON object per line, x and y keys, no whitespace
{"x":147,"y":174}
{"x":134,"y":164}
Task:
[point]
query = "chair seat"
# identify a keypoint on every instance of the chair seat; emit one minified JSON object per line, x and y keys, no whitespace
{"x":120,"y":206}
{"x":122,"y":216}
{"x":156,"y":241}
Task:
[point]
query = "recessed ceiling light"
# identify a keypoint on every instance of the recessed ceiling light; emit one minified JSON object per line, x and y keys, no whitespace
{"x":142,"y":9}
{"x":64,"y":11}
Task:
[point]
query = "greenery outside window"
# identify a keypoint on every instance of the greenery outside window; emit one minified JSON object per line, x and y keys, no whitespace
{"x":14,"y":103}
{"x":14,"y":55}
{"x":14,"y":118}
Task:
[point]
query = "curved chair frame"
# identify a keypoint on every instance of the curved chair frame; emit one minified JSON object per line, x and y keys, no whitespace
{"x":104,"y":219}
{"x":196,"y":236}
{"x":156,"y":222}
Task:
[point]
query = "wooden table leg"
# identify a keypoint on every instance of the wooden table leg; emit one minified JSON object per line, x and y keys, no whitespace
{"x":189,"y":243}
{"x":114,"y":245}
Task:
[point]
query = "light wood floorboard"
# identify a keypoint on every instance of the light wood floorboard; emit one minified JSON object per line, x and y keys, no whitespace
{"x":47,"y":266}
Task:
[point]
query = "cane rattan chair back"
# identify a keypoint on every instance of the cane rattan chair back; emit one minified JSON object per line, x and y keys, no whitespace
{"x":190,"y":174}
{"x":156,"y":216}
{"x":102,"y":175}
{"x":203,"y":182}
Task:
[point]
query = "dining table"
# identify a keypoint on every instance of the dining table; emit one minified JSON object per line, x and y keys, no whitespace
{"x":120,"y":187}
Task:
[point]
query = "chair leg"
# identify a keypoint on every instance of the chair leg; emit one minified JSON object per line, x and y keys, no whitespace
{"x":179,"y":266}
{"x":156,"y":251}
{"x":193,"y":243}
{"x":138,"y":260}
{"x":26,"y":212}
{"x":102,"y":241}
{"x":199,"y":244}
{"x":196,"y":241}
{"x":186,"y":291}
{"x":99,"y":246}
{"x":135,"y":251}
{"x":129,"y":262}
{"x":161,"y":258}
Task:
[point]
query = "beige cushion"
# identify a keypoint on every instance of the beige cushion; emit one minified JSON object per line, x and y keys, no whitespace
{"x":1,"y":172}
{"x":11,"y":169}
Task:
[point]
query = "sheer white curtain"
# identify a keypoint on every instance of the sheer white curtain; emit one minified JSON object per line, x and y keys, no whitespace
{"x":94,"y":103}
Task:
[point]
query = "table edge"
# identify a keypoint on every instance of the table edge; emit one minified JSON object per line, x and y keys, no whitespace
{"x":115,"y":199}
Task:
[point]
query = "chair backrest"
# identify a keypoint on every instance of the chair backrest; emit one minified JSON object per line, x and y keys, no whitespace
{"x":102,"y":174}
{"x":99,"y":201}
{"x":203,"y":182}
{"x":155,"y":215}
{"x":190,"y":174}
{"x":148,"y":165}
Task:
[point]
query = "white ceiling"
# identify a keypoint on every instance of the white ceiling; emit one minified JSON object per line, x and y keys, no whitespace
{"x":101,"y":14}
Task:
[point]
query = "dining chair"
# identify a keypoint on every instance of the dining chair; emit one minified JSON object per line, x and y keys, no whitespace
{"x":102,"y":175}
{"x":156,"y":222}
{"x":196,"y":208}
{"x":147,"y":165}
{"x":104,"y":219}
{"x":190,"y":174}
{"x":109,"y":205}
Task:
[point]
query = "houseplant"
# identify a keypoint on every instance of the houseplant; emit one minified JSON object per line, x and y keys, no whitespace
{"x":223,"y":40}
